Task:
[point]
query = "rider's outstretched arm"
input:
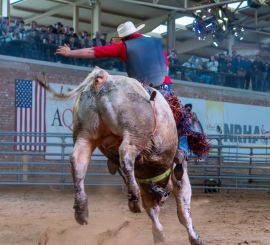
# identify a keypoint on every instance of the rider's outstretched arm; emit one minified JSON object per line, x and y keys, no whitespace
{"x":77,"y":53}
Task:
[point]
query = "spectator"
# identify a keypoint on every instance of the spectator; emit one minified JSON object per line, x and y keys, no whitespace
{"x":212,"y":64}
{"x":222,"y":63}
{"x":174,"y":62}
{"x":267,"y":79}
{"x":189,"y":74}
{"x":98,"y":41}
{"x":247,"y":68}
{"x":238,"y":68}
{"x":40,"y":42}
{"x":257,"y":70}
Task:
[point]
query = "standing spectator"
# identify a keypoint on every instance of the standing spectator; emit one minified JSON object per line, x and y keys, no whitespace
{"x":247,"y":67}
{"x":212,"y":64}
{"x":59,"y":27}
{"x":188,"y":72}
{"x":98,"y":41}
{"x":222,"y":63}
{"x":230,"y":78}
{"x":234,"y":55}
{"x":267,"y":79}
{"x":222,"y":66}
{"x":239,"y":71}
{"x":173,"y":62}
{"x":257,"y":69}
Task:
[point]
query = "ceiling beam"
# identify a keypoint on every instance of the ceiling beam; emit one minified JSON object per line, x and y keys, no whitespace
{"x":168,"y":7}
{"x":105,"y":11}
{"x":192,"y":44}
{"x":52,"y":11}
{"x":82,"y":20}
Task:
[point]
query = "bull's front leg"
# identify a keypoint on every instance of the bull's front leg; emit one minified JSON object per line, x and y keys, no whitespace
{"x":79,"y":161}
{"x":128,"y":154}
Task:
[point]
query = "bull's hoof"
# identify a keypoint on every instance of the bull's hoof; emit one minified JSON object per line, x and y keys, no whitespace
{"x":134,"y":203}
{"x":159,"y":237}
{"x":196,"y":241}
{"x":81,"y":211}
{"x":134,"y":206}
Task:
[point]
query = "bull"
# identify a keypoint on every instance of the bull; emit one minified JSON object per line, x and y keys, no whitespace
{"x":136,"y":131}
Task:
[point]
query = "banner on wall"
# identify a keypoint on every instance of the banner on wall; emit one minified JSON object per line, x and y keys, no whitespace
{"x":215,"y":117}
{"x":231,"y":118}
{"x":58,"y":120}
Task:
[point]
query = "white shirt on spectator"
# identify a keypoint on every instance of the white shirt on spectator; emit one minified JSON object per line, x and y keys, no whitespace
{"x":212,"y":65}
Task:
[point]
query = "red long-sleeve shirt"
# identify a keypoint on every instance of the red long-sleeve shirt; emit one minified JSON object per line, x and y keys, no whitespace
{"x":119,"y":50}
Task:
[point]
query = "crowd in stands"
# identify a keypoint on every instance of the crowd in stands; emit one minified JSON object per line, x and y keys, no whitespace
{"x":40,"y":42}
{"x":233,"y":71}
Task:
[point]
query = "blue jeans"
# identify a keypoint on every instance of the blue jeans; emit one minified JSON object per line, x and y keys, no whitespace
{"x":182,"y":141}
{"x":183,"y":145}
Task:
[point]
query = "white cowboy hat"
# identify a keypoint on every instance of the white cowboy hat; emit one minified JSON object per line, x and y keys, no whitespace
{"x":128,"y":28}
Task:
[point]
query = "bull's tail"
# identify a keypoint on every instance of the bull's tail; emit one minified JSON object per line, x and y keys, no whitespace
{"x":57,"y":95}
{"x":62,"y":96}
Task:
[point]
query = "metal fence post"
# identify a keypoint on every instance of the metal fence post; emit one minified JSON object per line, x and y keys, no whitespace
{"x":62,"y":180}
{"x":25,"y":159}
{"x":250,"y":164}
{"x":219,"y":156}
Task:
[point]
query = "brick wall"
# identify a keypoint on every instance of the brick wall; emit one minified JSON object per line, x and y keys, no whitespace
{"x":12,"y":68}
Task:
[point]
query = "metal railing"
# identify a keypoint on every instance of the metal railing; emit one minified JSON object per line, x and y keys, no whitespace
{"x":234,"y":162}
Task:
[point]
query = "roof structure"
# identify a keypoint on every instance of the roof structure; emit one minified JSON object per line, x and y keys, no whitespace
{"x":151,"y":12}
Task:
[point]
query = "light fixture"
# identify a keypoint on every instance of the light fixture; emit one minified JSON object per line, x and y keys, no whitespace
{"x":219,"y":22}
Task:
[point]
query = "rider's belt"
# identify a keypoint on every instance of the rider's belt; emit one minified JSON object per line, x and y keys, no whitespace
{"x":155,"y":179}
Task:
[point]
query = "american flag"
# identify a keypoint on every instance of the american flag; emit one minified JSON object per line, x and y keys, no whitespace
{"x":30,"y":114}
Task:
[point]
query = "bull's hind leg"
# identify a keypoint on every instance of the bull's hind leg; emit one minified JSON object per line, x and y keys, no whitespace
{"x":182,"y":194}
{"x":79,"y":161}
{"x":127,"y":154}
{"x":153,"y":210}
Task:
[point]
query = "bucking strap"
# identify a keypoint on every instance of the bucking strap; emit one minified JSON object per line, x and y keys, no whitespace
{"x":155,"y":179}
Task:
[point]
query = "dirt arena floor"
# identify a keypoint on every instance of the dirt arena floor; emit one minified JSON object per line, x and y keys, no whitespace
{"x":45,"y":216}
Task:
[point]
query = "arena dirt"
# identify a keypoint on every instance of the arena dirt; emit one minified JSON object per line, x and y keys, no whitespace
{"x":44,"y":216}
